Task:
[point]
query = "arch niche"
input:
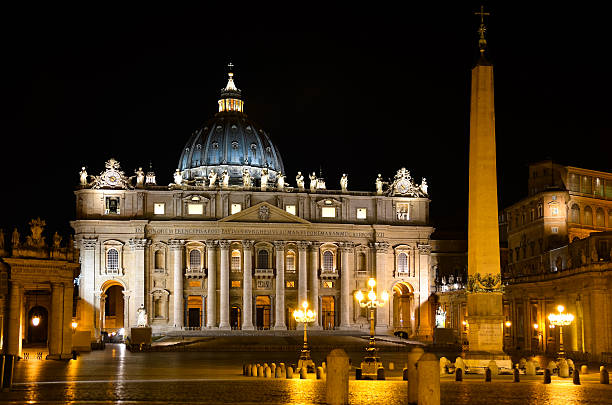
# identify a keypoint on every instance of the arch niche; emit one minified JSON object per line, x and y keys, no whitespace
{"x":403,"y":299}
{"x":114,"y":311}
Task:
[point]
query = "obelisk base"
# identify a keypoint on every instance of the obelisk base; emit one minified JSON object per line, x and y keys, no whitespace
{"x":485,"y":327}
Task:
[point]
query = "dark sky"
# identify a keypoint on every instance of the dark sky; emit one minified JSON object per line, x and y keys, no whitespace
{"x":357,"y":91}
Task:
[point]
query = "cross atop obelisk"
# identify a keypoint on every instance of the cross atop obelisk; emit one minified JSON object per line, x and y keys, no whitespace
{"x":482,"y":41}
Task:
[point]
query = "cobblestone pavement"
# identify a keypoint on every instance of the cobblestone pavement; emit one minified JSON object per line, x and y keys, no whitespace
{"x":117,"y":376}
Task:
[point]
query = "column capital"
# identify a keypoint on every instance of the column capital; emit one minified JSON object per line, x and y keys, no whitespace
{"x":139,"y":243}
{"x":211,"y":244}
{"x":89,"y":243}
{"x":176,"y":244}
{"x":248,"y":244}
{"x":424,"y":249}
{"x":346,"y":247}
{"x":315,"y":245}
{"x":302,"y":244}
{"x":279,"y":244}
{"x":224,"y":244}
{"x":381,"y":247}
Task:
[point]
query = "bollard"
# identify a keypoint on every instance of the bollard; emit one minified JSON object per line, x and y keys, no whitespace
{"x":268,"y":372}
{"x":444,"y":363}
{"x":571,"y":365}
{"x":522,"y":362}
{"x":516,"y":375}
{"x":405,"y":374}
{"x":576,"y":377}
{"x":380,"y":373}
{"x":547,"y":374}
{"x":584,"y":369}
{"x":289,"y":373}
{"x":551,"y":366}
{"x":458,"y":374}
{"x":337,"y":377}
{"x":249,"y":370}
{"x":488,"y":375}
{"x":530,"y":368}
{"x":459,"y":363}
{"x":319,"y":373}
{"x":273,"y":367}
{"x":260,"y":371}
{"x":6,"y":377}
{"x":413,"y":357}
{"x":324,"y":365}
{"x":428,"y":380}
{"x":278,"y":373}
{"x":563,"y":369}
{"x":391,"y":366}
{"x":254,"y":372}
{"x":265,"y":365}
{"x":244,"y":366}
{"x":303,"y":373}
{"x":604,"y":377}
{"x":493,"y":367}
{"x":358,"y":373}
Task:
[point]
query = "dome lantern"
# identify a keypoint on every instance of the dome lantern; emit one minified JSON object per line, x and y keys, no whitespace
{"x":230,"y":95}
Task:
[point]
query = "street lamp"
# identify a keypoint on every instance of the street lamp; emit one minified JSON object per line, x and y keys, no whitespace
{"x":561,"y":319}
{"x":371,"y":304}
{"x":305,"y":316}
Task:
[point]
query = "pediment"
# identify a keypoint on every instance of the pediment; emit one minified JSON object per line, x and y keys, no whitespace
{"x":264,"y":213}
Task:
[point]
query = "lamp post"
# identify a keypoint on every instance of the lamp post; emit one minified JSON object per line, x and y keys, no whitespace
{"x":305,"y":316}
{"x":371,"y":304}
{"x":561,"y":319}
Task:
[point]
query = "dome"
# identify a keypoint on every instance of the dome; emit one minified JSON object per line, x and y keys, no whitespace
{"x":230,"y":141}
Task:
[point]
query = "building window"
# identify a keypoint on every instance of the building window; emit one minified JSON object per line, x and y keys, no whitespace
{"x":112,"y":260}
{"x":554,"y":211}
{"x":598,"y":187}
{"x":159,"y":208}
{"x":402,"y":263}
{"x":290,"y":284}
{"x":195,"y":259}
{"x":588,"y":215}
{"x":235,"y":263}
{"x":361,"y":262}
{"x":328,"y":212}
{"x":236,"y":208}
{"x":554,"y":229}
{"x":290,"y":261}
{"x":262,"y":259}
{"x":362,"y":213}
{"x":290,"y":209}
{"x":540,"y":211}
{"x":599,"y":217}
{"x":531,"y":215}
{"x":328,"y":261}
{"x":195,"y":209}
{"x":235,"y":283}
{"x":112,"y":205}
{"x":402,"y":211}
{"x":586,"y":185}
{"x":159,"y":260}
{"x":575,"y":214}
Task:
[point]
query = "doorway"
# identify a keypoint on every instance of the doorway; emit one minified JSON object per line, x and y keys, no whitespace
{"x":38,"y":331}
{"x":235,"y":317}
{"x":194,"y":312}
{"x":328,"y":314}
{"x":262,"y":312}
{"x":402,"y":303}
{"x":113,"y":308}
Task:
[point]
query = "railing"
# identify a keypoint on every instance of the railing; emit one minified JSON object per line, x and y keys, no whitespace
{"x":329,"y":274}
{"x":264,"y":273}
{"x":195,"y":273}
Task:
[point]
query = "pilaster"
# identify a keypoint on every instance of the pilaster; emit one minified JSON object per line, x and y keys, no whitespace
{"x":314,"y":282}
{"x":382,"y":313}
{"x":346,"y":298}
{"x":303,"y":272}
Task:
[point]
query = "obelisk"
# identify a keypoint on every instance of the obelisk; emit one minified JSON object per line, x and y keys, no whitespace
{"x":484,"y":295}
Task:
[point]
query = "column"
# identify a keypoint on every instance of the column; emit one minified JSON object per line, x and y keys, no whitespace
{"x":67,"y":321}
{"x":86,"y":287}
{"x":176,"y":247}
{"x":345,"y":285}
{"x":126,"y":312}
{"x":425,"y":321}
{"x":211,"y":304}
{"x":15,"y":316}
{"x":138,"y":246}
{"x":102,"y":312}
{"x":247,"y":285}
{"x":55,"y":321}
{"x":224,"y":296}
{"x":303,"y":274}
{"x":314,"y":282}
{"x":279,"y":319}
{"x":382,"y":313}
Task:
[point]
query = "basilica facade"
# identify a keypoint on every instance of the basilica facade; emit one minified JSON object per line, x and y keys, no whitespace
{"x":231,"y":245}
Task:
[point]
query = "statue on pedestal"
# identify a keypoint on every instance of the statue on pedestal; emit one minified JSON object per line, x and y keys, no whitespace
{"x":224,"y":179}
{"x":246,"y":178}
{"x":280,"y":182}
{"x":424,"y":185}
{"x":299,"y":179}
{"x":313,"y":181}
{"x":142,"y":317}
{"x":212,"y":178}
{"x":264,"y":179}
{"x":83,"y":176}
{"x":57,"y":240}
{"x":140,"y":177}
{"x":379,"y":184}
{"x":344,"y":182}
{"x":178,"y":177}
{"x":15,"y":238}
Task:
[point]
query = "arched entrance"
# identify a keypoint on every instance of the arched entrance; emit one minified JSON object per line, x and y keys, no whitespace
{"x":235,"y":318}
{"x":328,"y":312}
{"x":113,"y":308}
{"x":262,"y":312}
{"x":38,"y":331}
{"x":402,"y":308}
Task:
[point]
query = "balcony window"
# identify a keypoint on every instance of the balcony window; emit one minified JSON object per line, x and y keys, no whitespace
{"x":159,"y":208}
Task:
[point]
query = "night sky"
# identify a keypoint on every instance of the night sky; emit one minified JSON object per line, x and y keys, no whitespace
{"x":354,"y":91}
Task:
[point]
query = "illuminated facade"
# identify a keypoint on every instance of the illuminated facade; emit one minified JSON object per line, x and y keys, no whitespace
{"x":230,"y":244}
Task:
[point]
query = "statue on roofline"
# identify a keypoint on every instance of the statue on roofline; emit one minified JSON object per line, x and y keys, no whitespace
{"x":83,"y":176}
{"x":212,"y":178}
{"x":313,"y":181}
{"x":299,"y":179}
{"x":344,"y":182}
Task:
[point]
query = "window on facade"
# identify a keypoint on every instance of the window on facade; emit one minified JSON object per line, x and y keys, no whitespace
{"x":554,"y":229}
{"x":574,"y":182}
{"x":159,"y":208}
{"x":599,"y":217}
{"x":554,"y":211}
{"x":362,"y":213}
{"x":195,"y":209}
{"x":588,"y":215}
{"x":328,"y":212}
{"x":290,"y":209}
{"x":361,"y":262}
{"x":236,"y":208}
{"x":159,"y":259}
{"x":235,"y":283}
{"x":290,"y":284}
{"x":328,"y":261}
{"x":235,"y":263}
{"x":402,"y":263}
{"x":112,"y":260}
{"x":195,"y":259}
{"x":540,"y":211}
{"x":575,"y":214}
{"x":262,"y":259}
{"x":586,"y":185}
{"x":402,"y":211}
{"x":598,"y":189}
{"x":290,"y":261}
{"x":112,"y":205}
{"x":531,"y":215}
